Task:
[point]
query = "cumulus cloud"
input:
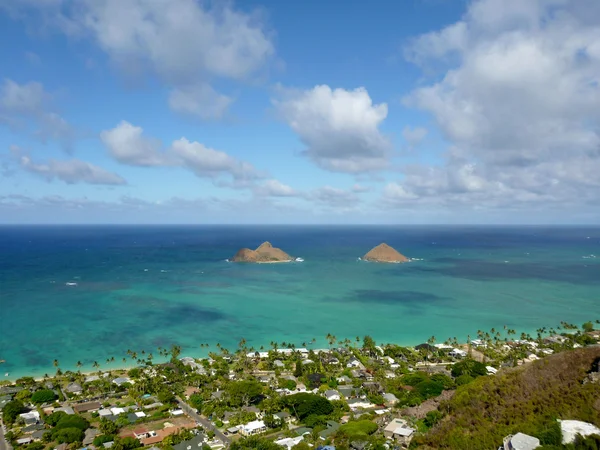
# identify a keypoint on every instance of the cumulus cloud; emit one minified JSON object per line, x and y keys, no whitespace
{"x":127,"y":145}
{"x":519,"y":102}
{"x":71,"y":171}
{"x":207,"y":162}
{"x":182,"y":42}
{"x":199,"y":100}
{"x":275,"y":188}
{"x":334,"y":197}
{"x":340,"y":128}
{"x":414,"y":136}
{"x":27,"y":105}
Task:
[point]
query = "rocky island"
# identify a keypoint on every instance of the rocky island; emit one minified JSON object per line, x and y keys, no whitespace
{"x":265,"y":253}
{"x":385,"y":253}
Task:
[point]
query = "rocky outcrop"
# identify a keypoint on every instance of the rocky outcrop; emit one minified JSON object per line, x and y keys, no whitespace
{"x":265,"y":253}
{"x":385,"y":253}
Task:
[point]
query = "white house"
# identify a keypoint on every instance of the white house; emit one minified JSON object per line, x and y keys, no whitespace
{"x":491,"y":370}
{"x":332,"y":394}
{"x":571,"y":428}
{"x":457,"y":353}
{"x":521,"y":441}
{"x":252,"y":428}
{"x":289,"y":442}
{"x":398,"y":430}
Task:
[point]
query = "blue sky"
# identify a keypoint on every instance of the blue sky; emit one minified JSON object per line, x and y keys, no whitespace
{"x":420,"y":111}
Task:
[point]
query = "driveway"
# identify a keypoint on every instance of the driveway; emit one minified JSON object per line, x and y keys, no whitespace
{"x":201,"y":420}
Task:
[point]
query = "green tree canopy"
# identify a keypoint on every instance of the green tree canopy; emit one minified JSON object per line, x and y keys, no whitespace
{"x":43,"y":396}
{"x":72,"y":421}
{"x":305,"y":404}
{"x":196,"y":401}
{"x":12,"y":410}
{"x":468,"y":367}
{"x":108,"y":426}
{"x":244,"y":392}
{"x":254,"y":443}
{"x":428,"y":389}
{"x":54,"y":418}
{"x":68,"y":435}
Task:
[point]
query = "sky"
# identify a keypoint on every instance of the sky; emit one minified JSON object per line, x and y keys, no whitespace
{"x":293,"y":112}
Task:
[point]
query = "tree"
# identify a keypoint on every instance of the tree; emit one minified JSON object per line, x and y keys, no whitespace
{"x":99,"y":440}
{"x":54,"y":418}
{"x":244,"y":392}
{"x":72,"y":421}
{"x":12,"y":410}
{"x":108,"y":426}
{"x":23,"y":395}
{"x":468,"y":367}
{"x":43,"y":396}
{"x":254,"y":443}
{"x":305,"y":404}
{"x":588,"y":327}
{"x":369,"y":344}
{"x":196,"y":401}
{"x":302,"y":446}
{"x":166,"y":396}
{"x":68,"y":435}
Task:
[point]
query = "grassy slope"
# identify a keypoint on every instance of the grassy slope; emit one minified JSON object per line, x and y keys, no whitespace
{"x":527,"y":399}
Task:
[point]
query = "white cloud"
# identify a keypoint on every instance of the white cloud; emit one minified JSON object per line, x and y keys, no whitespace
{"x":519,"y":102}
{"x":199,"y":100}
{"x":71,"y":171}
{"x":334,"y":197}
{"x":207,"y":162}
{"x":340,"y":128}
{"x":275,"y":188}
{"x":414,"y":136}
{"x":182,"y":42}
{"x":23,"y":105}
{"x":127,"y":145}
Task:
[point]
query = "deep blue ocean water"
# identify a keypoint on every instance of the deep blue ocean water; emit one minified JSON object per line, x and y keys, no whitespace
{"x":140,"y":287}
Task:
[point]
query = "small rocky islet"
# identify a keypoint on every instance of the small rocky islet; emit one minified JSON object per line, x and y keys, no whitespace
{"x":385,"y":254}
{"x":265,"y":253}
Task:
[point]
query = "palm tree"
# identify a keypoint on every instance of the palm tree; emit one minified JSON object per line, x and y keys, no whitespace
{"x":79,"y":364}
{"x":56,"y":363}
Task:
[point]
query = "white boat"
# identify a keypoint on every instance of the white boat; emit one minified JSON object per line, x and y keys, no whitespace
{"x":299,"y":259}
{"x":71,"y":283}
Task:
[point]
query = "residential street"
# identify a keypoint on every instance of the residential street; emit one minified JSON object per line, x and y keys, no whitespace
{"x":3,"y":444}
{"x":204,"y":422}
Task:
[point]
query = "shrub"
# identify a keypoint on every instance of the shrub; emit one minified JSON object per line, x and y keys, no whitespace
{"x":468,"y":367}
{"x":68,"y":435}
{"x":72,"y":421}
{"x":428,"y":389}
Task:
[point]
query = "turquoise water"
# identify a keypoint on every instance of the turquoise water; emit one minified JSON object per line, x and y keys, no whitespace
{"x":144,"y":287}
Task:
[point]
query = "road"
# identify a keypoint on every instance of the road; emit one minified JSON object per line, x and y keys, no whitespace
{"x":204,"y":422}
{"x":3,"y":444}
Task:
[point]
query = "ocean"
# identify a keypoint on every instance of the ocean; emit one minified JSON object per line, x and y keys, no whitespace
{"x":141,"y":287}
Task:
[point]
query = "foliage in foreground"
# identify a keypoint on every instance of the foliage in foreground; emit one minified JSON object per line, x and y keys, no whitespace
{"x":528,"y":399}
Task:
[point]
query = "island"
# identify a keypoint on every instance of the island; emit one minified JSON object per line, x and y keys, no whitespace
{"x":265,"y":253}
{"x":385,"y":253}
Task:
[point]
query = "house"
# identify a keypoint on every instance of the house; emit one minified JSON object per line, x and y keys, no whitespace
{"x":399,"y":431}
{"x":571,"y":428}
{"x":4,"y":399}
{"x":332,"y":427}
{"x":520,"y":441}
{"x":74,"y":388}
{"x":284,"y":417}
{"x":30,"y":417}
{"x":91,"y":378}
{"x":390,"y":399}
{"x":359,"y":403}
{"x":426,"y":347}
{"x":491,"y":370}
{"x":177,"y":412}
{"x":555,"y":339}
{"x":372,"y":386}
{"x":105,"y":413}
{"x":457,"y":353}
{"x":252,"y":428}
{"x":478,"y":343}
{"x":217,"y":395}
{"x":66,"y":409}
{"x":24,"y":440}
{"x":85,"y":407}
{"x":278,"y":364}
{"x":122,"y":380}
{"x":135,"y":416}
{"x":289,"y":442}
{"x":195,"y":443}
{"x":116,"y":411}
{"x":348,"y":391}
{"x":38,"y":435}
{"x":90,"y":434}
{"x":344,"y":379}
{"x":332,"y":394}
{"x":253,"y":409}
{"x":354,"y":363}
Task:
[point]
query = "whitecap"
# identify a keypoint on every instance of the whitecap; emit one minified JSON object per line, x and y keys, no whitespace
{"x":70,"y":283}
